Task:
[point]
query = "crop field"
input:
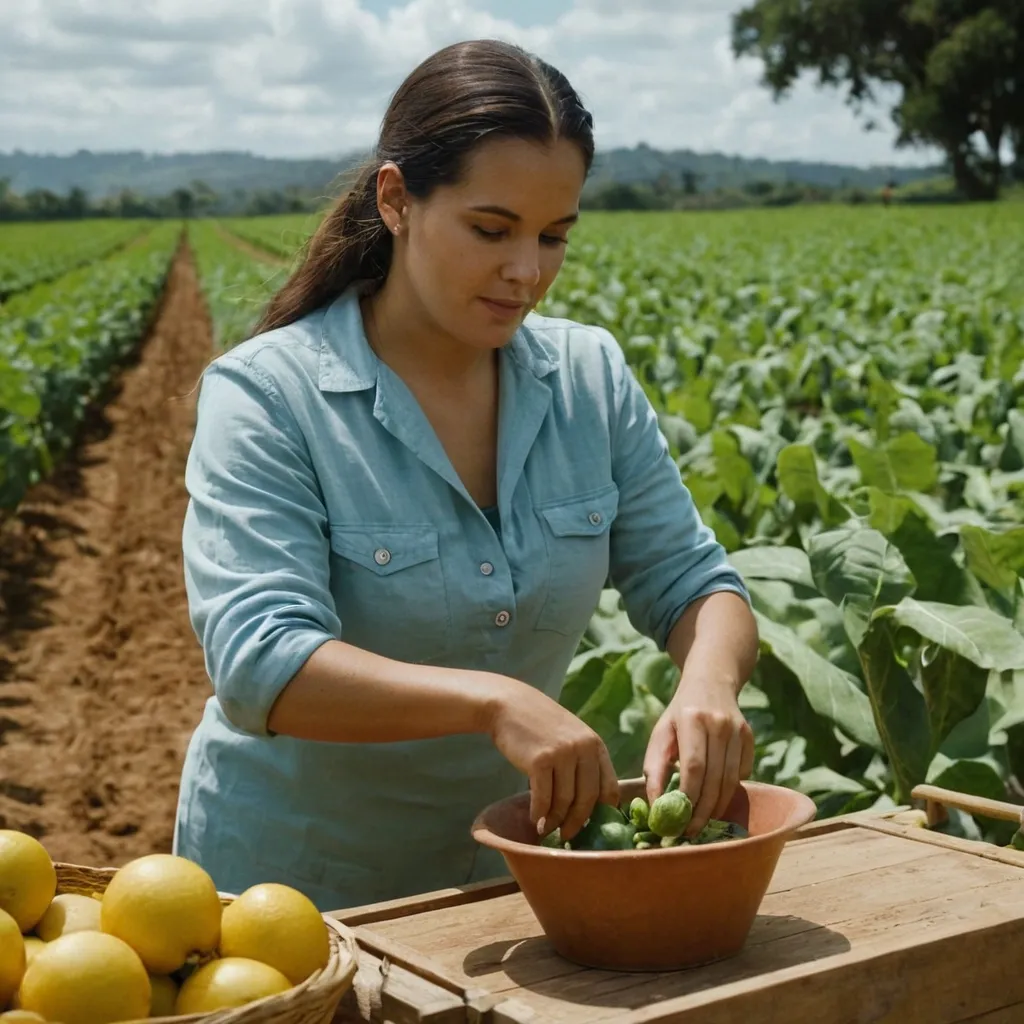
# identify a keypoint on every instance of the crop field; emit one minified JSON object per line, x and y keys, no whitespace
{"x":843,"y":390}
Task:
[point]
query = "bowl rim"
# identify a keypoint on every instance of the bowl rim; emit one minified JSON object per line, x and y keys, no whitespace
{"x":804,"y":808}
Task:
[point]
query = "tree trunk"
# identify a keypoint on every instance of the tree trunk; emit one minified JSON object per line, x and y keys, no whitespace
{"x":968,"y":181}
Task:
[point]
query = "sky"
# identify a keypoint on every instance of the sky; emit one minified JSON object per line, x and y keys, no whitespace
{"x":298,"y":78}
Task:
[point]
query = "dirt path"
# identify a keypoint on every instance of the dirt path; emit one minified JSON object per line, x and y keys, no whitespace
{"x":101,"y":677}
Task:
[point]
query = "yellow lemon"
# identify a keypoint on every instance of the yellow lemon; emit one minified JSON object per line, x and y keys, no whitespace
{"x":86,"y":978}
{"x":165,"y":992}
{"x":28,"y":879}
{"x":229,"y":982}
{"x":279,"y":926}
{"x":12,"y":957}
{"x":68,"y":912}
{"x":32,"y":946}
{"x":165,"y":907}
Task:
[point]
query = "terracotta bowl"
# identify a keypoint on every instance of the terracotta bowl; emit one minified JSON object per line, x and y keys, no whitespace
{"x":649,"y":910}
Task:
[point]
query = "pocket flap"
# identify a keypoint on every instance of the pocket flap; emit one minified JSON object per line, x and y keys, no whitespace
{"x":385,"y":549}
{"x":586,"y":516}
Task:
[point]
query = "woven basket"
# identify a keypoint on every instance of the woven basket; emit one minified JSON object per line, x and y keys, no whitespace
{"x":313,"y":1001}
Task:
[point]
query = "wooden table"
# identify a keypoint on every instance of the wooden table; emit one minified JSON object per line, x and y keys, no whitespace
{"x":866,"y":920}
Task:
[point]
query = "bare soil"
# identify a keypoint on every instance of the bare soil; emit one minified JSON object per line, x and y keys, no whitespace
{"x":101,"y":677}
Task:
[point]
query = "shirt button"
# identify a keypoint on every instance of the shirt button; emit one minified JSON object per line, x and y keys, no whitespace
{"x":501,"y":619}
{"x":595,"y":518}
{"x":486,"y":568}
{"x":382,"y":556}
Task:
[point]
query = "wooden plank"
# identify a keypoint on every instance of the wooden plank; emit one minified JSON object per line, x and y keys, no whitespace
{"x":938,"y":981}
{"x":1006,"y":1015}
{"x":798,"y":977}
{"x":815,"y":915}
{"x":388,"y":992}
{"x":425,"y":902}
{"x":1002,"y":854}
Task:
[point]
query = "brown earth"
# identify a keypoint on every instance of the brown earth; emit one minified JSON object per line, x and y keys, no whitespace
{"x":101,"y":677}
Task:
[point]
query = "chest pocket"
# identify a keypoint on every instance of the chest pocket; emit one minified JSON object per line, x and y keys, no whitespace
{"x":577,"y":533}
{"x":389,"y":590}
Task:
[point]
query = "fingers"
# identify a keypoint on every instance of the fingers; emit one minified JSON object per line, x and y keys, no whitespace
{"x":540,"y":799}
{"x":706,"y":773}
{"x":662,"y":750}
{"x":749,"y":751}
{"x":730,"y":773}
{"x":587,"y":790}
{"x":693,"y":753}
{"x":609,"y":780}
{"x":563,"y":792}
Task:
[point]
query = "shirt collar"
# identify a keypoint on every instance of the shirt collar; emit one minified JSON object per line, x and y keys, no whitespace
{"x":348,"y":363}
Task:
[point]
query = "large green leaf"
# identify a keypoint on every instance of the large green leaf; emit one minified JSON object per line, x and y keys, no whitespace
{"x":773,"y":562}
{"x":953,"y":688}
{"x":899,"y":706}
{"x":905,"y":463}
{"x":859,"y":571}
{"x":831,"y":692}
{"x":978,"y":634}
{"x":995,"y":558}
{"x":797,"y":472}
{"x":938,"y":575}
{"x":975,"y":777}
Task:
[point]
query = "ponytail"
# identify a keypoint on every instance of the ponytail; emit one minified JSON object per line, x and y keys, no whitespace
{"x":352,"y":243}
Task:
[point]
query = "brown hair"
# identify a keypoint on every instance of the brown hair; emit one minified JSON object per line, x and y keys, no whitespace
{"x":455,"y":99}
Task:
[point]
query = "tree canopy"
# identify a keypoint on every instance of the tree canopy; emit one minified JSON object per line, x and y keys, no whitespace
{"x":957,"y":68}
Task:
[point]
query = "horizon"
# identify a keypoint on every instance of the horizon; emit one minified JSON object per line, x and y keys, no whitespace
{"x":276,"y":81}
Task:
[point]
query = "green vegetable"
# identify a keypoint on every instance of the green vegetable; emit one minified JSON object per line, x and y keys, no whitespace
{"x":673,"y":783}
{"x":609,"y":835}
{"x":638,"y":811}
{"x":553,"y":839}
{"x":670,"y":814}
{"x":646,"y":837}
{"x":1017,"y":841}
{"x":607,"y":813}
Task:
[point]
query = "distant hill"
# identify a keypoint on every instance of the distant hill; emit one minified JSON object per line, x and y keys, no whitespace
{"x":103,"y":174}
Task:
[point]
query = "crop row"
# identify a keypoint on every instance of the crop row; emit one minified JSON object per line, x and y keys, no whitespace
{"x":59,"y":344}
{"x":32,"y":254}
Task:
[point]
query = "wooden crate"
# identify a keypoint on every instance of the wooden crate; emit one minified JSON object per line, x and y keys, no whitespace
{"x":866,"y":920}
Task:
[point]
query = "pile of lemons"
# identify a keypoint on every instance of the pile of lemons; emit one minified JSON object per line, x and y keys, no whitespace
{"x":158,"y":942}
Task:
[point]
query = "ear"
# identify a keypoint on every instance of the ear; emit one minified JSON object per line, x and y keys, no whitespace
{"x":392,"y":199}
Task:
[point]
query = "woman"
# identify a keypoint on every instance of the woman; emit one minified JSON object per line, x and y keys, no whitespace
{"x":407,"y":492}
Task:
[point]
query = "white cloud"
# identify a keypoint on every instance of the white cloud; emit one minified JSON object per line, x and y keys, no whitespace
{"x":312,"y":77}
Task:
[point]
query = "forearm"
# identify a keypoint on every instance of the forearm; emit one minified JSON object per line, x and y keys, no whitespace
{"x":344,"y":694}
{"x":716,"y":637}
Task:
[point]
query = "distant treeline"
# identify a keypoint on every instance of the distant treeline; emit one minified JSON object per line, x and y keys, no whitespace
{"x":666,"y":192}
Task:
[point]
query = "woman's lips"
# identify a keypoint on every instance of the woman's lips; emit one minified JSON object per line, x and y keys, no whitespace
{"x":504,"y":309}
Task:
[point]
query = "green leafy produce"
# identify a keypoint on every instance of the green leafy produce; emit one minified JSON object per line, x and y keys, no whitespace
{"x":670,"y":814}
{"x":638,"y":812}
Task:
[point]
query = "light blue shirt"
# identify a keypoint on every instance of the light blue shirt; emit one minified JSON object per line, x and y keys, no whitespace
{"x":323,"y":506}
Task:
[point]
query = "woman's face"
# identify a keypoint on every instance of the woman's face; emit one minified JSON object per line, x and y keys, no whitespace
{"x":481,"y":254}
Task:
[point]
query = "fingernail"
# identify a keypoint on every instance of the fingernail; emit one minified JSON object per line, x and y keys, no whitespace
{"x":540,"y":826}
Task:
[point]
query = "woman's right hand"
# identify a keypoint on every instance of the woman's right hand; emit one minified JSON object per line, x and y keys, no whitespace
{"x":567,"y":763}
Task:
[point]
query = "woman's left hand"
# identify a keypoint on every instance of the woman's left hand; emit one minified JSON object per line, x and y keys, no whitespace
{"x":705,"y":730}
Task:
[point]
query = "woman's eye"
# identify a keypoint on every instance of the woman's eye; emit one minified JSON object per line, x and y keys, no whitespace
{"x":554,"y":240}
{"x":484,"y":233}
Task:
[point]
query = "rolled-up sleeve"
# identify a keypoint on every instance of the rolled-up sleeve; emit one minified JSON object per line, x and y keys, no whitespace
{"x":663,"y":556}
{"x":255,"y":543}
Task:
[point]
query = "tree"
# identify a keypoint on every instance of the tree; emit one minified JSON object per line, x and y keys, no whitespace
{"x":956,"y":65}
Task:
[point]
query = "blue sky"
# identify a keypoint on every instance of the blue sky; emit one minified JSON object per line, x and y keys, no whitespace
{"x":313,"y":77}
